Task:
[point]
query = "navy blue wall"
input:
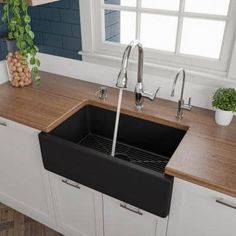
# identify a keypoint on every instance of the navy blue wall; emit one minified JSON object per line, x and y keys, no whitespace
{"x":2,"y":32}
{"x":112,"y":23}
{"x":56,"y":27}
{"x":112,"y":26}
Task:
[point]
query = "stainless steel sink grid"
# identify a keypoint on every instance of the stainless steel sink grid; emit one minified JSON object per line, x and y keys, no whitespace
{"x":126,"y":152}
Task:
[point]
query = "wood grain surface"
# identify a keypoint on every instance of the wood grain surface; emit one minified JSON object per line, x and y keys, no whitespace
{"x":206,"y":156}
{"x":40,"y":110}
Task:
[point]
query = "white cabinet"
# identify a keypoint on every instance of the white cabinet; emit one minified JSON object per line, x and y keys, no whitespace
{"x":122,"y":219}
{"x":70,"y":208}
{"x":78,"y":208}
{"x":24,"y":184}
{"x":198,"y":211}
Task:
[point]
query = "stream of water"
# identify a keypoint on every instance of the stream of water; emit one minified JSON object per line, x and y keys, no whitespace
{"x":117,"y":123}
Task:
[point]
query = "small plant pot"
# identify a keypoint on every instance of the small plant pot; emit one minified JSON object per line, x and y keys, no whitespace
{"x":223,"y":118}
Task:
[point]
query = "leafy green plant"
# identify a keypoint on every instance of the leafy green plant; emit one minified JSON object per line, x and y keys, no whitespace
{"x":15,"y":15}
{"x":225,"y":99}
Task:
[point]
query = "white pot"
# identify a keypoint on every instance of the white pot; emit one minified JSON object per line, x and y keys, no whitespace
{"x":223,"y":118}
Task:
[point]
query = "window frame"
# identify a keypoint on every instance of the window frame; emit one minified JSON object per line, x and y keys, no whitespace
{"x":93,"y":38}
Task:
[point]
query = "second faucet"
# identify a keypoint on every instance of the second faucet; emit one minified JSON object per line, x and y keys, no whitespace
{"x":181,"y":104}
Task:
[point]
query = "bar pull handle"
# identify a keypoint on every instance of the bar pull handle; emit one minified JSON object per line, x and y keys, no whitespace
{"x":2,"y":123}
{"x":123,"y":205}
{"x":68,"y":182}
{"x":225,"y":203}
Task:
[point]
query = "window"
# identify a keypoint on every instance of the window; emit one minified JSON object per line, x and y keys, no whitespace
{"x":194,"y":33}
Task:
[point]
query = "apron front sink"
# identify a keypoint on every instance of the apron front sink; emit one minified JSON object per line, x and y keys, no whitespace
{"x":80,"y":149}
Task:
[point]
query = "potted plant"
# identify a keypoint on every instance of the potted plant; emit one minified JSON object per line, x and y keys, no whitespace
{"x":21,"y":59}
{"x":224,"y":100}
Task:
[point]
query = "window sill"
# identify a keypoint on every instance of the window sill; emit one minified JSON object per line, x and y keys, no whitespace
{"x":208,"y":78}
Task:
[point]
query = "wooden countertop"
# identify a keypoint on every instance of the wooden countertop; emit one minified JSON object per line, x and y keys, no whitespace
{"x":34,"y":108}
{"x":206,"y":155}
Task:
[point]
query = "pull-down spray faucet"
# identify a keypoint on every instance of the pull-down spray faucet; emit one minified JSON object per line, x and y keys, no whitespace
{"x":122,"y":77}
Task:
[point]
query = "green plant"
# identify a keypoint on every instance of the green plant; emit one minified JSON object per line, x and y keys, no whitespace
{"x":225,"y":99}
{"x":15,"y":15}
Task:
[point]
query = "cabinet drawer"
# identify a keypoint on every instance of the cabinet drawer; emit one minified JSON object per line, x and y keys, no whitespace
{"x":121,"y":219}
{"x":196,"y":210}
{"x":78,"y":208}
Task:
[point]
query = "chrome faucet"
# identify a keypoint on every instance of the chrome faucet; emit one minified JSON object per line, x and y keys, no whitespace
{"x":181,"y":105}
{"x":123,"y":79}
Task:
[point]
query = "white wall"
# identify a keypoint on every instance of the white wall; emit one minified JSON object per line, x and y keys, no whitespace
{"x":201,"y":93}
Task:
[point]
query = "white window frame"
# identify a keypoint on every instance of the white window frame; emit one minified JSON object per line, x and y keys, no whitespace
{"x":96,"y":49}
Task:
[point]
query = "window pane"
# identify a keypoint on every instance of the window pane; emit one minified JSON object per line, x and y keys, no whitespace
{"x":217,"y":7}
{"x":120,"y":27}
{"x":130,"y":3}
{"x":158,"y":31}
{"x":161,"y":4}
{"x":202,"y":37}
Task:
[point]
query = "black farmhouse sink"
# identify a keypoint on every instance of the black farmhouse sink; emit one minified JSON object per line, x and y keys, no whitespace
{"x":80,"y":148}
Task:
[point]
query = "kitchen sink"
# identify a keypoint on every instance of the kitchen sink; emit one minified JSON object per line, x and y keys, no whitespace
{"x":80,"y":149}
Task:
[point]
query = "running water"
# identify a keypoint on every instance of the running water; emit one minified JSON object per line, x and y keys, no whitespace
{"x":117,"y":123}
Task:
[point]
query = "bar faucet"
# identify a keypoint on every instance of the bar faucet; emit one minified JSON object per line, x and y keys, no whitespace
{"x":123,"y":78}
{"x":181,"y":104}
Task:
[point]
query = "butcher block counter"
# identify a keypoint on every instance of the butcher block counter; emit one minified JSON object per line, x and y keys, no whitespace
{"x":206,"y":156}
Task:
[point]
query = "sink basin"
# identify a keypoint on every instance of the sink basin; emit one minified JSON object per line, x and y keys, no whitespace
{"x":79,"y":149}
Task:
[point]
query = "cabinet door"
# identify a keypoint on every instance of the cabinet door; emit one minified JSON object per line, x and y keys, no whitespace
{"x":122,"y":219}
{"x":24,"y":184}
{"x":198,"y":211}
{"x":78,"y":208}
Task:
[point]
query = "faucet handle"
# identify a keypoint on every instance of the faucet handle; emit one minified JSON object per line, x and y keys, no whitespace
{"x":188,"y":106}
{"x":150,"y":96}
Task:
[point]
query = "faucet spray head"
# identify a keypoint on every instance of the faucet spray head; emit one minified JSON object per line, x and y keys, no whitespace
{"x":122,"y":79}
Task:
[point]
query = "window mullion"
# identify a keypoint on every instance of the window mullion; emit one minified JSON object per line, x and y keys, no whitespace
{"x":180,"y":26}
{"x":138,"y":19}
{"x":165,"y":12}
